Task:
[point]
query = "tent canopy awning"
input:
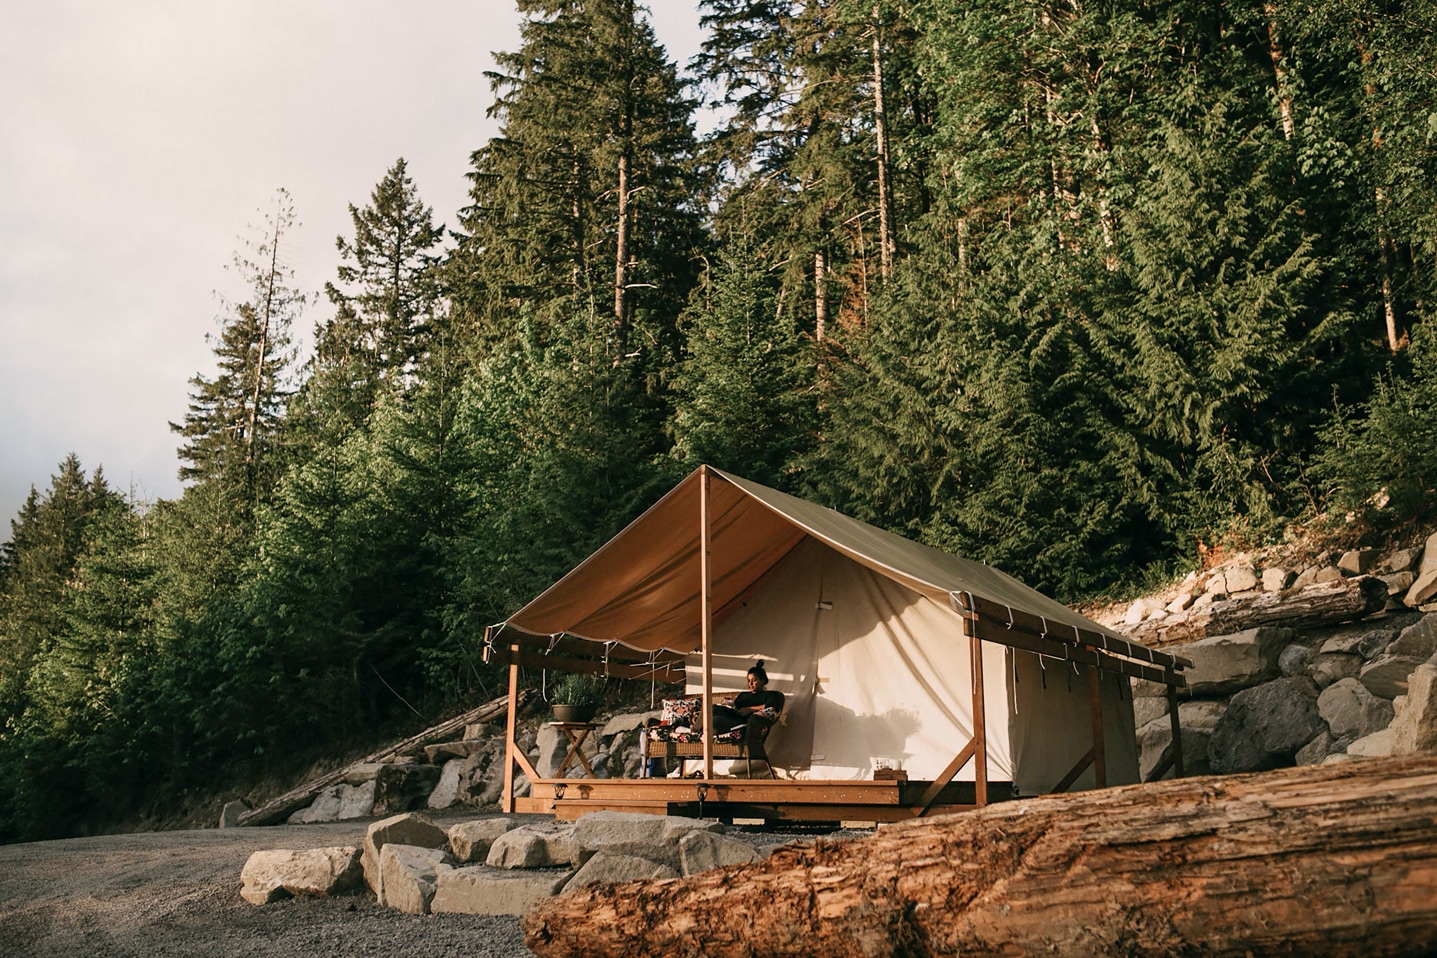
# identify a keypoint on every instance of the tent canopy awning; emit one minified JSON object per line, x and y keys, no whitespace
{"x":641,"y":589}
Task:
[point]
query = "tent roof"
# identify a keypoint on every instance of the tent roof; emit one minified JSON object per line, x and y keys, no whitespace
{"x":641,"y":588}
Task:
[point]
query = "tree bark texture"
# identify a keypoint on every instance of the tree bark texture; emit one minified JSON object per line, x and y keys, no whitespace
{"x":1325,"y":603}
{"x":887,"y":241}
{"x":1326,"y":860}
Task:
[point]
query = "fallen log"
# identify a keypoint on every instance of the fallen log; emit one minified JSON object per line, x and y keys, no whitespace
{"x":278,"y":809}
{"x":1328,"y":860}
{"x":1325,"y":603}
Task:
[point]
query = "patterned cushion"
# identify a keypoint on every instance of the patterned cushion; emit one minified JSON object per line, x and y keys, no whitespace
{"x":684,"y":711}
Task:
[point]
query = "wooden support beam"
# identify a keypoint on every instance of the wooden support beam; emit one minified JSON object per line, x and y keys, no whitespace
{"x":1162,"y":768}
{"x":506,"y":801}
{"x":1074,"y":772}
{"x":662,"y":672}
{"x":1017,"y":619}
{"x":583,"y":648}
{"x":930,"y":794}
{"x":980,"y":725}
{"x":1176,"y":722}
{"x":706,"y":618}
{"x":991,"y":631}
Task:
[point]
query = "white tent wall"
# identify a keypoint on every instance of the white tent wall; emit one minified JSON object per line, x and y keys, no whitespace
{"x":1053,"y":725}
{"x":869,"y":668}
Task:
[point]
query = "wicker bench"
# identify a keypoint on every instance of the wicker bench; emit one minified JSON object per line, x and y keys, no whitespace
{"x":687,"y":752}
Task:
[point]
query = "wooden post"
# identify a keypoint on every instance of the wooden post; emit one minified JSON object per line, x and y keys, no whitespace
{"x":1177,"y":728}
{"x":980,"y":734}
{"x":706,"y":622}
{"x":1095,"y":697}
{"x":506,"y":801}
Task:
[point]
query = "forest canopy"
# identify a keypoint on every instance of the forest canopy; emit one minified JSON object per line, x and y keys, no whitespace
{"x":1065,"y":287}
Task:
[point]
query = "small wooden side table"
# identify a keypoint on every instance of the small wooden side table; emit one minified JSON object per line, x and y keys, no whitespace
{"x":576,"y":733}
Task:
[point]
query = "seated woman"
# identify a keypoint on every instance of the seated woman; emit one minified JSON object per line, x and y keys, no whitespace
{"x":757,"y":710}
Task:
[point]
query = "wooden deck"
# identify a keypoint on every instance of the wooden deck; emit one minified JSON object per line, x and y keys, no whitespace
{"x":775,"y":801}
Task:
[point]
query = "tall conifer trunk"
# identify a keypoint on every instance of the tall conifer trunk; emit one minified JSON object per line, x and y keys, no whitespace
{"x":625,"y":214}
{"x":820,"y":294}
{"x":887,"y":243}
{"x":1279,"y":72}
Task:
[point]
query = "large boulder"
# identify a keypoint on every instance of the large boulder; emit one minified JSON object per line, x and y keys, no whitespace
{"x":1201,"y":713}
{"x":1223,"y":664}
{"x":1415,"y":727}
{"x":627,"y":722}
{"x":655,"y":837}
{"x":324,"y":807}
{"x":408,"y":829}
{"x":541,"y":845}
{"x":1148,"y":708}
{"x":446,"y":792}
{"x":1240,"y":579}
{"x":356,"y":801}
{"x":402,"y":787}
{"x":481,"y":777}
{"x":553,"y":746}
{"x":1275,"y":579}
{"x":1364,"y":642}
{"x":1357,"y":561}
{"x":1422,"y":589}
{"x":609,"y":867}
{"x":1376,"y":745}
{"x":1155,"y":746}
{"x":701,"y":851}
{"x":1328,"y":667}
{"x":471,"y":841}
{"x":480,"y":890}
{"x":1351,"y":711}
{"x":1264,"y":727}
{"x":281,"y":873}
{"x":409,"y":877}
{"x":1386,"y":675}
{"x":1418,"y":640}
{"x":337,"y":803}
{"x":1294,"y":660}
{"x":230,"y":814}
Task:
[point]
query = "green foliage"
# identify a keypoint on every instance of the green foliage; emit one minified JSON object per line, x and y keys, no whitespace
{"x":1384,"y":452}
{"x":1096,"y":282}
{"x":580,"y":691}
{"x":232,"y":430}
{"x":745,"y":397}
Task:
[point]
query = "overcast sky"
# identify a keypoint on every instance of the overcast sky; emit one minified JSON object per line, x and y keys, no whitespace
{"x":140,"y":140}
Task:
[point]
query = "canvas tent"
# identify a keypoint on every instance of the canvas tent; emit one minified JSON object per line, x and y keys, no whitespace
{"x":873,"y":639}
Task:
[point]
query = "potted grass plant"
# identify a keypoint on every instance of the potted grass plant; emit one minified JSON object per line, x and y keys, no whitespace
{"x":576,"y":697}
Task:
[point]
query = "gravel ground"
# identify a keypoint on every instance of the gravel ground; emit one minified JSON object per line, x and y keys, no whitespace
{"x":177,"y":893}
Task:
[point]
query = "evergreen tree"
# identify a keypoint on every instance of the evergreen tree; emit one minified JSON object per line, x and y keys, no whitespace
{"x":587,"y":199}
{"x":744,"y":393}
{"x":46,"y":542}
{"x":826,"y":111}
{"x":232,"y":430}
{"x":385,"y":304}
